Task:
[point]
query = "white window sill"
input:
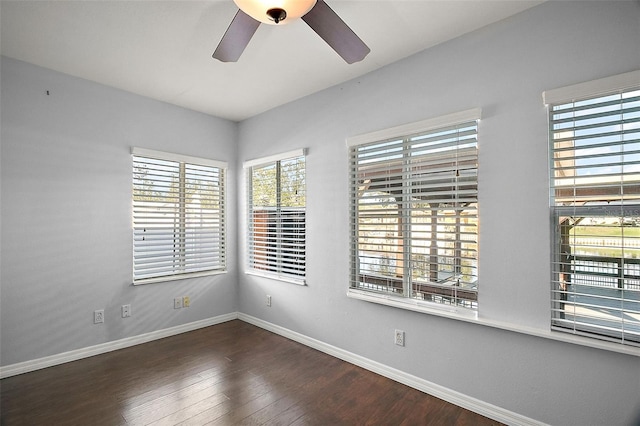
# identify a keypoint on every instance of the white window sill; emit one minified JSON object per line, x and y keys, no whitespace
{"x":468,"y":315}
{"x":178,"y":277}
{"x":284,"y":278}
{"x":414,"y":305}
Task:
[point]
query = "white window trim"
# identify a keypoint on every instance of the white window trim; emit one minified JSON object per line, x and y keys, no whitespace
{"x":178,"y":277}
{"x":568,"y":94}
{"x":448,"y":311}
{"x":161,"y":155}
{"x":274,"y":276}
{"x":591,"y":88}
{"x":401,"y":131}
{"x":300,"y":152}
{"x":416,"y":127}
{"x":273,"y":158}
{"x":169,"y":156}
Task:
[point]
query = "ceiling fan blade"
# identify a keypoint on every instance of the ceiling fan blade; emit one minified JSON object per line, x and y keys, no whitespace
{"x":324,"y":21}
{"x":236,"y":38}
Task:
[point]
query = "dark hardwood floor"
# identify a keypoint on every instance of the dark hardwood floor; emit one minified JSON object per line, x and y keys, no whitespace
{"x":228,"y":374}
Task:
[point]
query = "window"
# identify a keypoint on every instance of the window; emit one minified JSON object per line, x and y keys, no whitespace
{"x":178,"y":216}
{"x":595,"y":204}
{"x":414,"y":211}
{"x":276,"y":208}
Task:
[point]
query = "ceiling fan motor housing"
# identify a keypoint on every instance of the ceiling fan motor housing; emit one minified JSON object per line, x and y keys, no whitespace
{"x":275,"y":11}
{"x":277,"y":15}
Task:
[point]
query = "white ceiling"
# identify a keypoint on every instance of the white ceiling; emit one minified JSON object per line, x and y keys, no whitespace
{"x":162,"y":49}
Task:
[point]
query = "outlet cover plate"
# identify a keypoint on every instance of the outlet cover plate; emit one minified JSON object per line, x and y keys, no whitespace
{"x":126,"y":311}
{"x":98,"y":316}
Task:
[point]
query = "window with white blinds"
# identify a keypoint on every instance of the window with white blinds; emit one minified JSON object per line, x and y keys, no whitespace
{"x":276,"y":216}
{"x":414,"y":211}
{"x":595,"y":203}
{"x":178,"y":216}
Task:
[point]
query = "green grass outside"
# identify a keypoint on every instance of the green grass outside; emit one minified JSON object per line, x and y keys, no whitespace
{"x":606,"y":231}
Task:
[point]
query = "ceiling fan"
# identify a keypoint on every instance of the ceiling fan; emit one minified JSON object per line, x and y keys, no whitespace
{"x":316,"y":13}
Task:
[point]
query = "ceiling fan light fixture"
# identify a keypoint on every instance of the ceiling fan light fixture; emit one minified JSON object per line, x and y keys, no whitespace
{"x":275,"y":11}
{"x":315,"y":13}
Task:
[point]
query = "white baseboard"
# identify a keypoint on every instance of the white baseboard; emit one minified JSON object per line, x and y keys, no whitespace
{"x":483,"y":408}
{"x":74,"y":355}
{"x":457,"y":398}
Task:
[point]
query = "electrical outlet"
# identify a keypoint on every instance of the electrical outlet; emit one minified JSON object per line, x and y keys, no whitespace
{"x":399,"y":338}
{"x":177,"y":303}
{"x":126,"y":311}
{"x":98,"y":316}
{"x":268,"y":300}
{"x":186,"y":302}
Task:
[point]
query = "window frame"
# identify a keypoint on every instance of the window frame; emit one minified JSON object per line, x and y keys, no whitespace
{"x":588,"y":198}
{"x":282,"y":247}
{"x":184,"y":163}
{"x":403,"y":131}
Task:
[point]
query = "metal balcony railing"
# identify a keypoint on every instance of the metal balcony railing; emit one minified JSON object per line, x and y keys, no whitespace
{"x":607,"y":272}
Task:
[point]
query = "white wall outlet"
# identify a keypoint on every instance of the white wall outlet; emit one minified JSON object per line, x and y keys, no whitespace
{"x":177,"y":303}
{"x":268,"y":300}
{"x":98,"y":316}
{"x":186,"y":302}
{"x":126,"y":311}
{"x":399,"y":337}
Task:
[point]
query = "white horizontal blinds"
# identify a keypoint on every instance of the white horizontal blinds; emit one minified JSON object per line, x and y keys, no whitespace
{"x":414,"y":215}
{"x":377,"y":181}
{"x":178,"y":218}
{"x":277,"y":225}
{"x":444,"y":215}
{"x":595,"y":191}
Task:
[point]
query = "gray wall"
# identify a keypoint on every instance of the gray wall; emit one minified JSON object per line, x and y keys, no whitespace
{"x":66,"y":212}
{"x":503,"y":68}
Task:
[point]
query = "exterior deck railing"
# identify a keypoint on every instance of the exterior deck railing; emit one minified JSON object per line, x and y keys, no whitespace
{"x":395,"y":285}
{"x":609,"y":272}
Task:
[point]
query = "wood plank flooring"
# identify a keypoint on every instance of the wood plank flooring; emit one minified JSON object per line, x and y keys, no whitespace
{"x":228,"y":374}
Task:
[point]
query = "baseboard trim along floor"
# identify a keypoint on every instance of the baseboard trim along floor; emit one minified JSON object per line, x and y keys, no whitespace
{"x":477,"y":406}
{"x":76,"y":354}
{"x":489,"y":410}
